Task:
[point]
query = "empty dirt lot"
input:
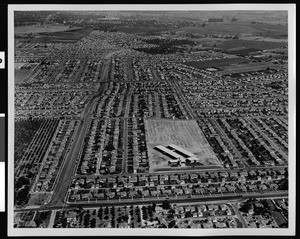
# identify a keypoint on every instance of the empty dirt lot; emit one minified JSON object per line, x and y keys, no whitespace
{"x":184,"y":133}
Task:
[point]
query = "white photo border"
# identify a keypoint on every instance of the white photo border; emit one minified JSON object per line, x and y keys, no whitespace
{"x":291,"y":8}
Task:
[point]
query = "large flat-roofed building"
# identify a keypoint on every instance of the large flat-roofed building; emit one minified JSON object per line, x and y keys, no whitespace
{"x":181,"y":151}
{"x":168,"y":152}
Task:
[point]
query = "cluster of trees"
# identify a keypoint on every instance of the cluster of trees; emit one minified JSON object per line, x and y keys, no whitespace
{"x":41,"y":217}
{"x":21,"y":190}
{"x":60,"y":219}
{"x":160,"y":50}
{"x":158,"y":41}
{"x":258,"y":209}
{"x":165,"y":46}
{"x":215,"y":19}
{"x":86,"y":220}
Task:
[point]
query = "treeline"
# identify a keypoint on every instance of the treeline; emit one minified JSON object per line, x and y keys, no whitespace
{"x":164,"y":42}
{"x":165,"y":46}
{"x":160,"y":50}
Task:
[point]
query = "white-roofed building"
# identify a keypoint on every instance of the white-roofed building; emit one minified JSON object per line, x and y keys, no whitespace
{"x":181,"y":151}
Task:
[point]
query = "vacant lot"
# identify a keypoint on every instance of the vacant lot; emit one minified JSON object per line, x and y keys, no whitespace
{"x":216,"y":63}
{"x":38,"y":198}
{"x":184,"y":133}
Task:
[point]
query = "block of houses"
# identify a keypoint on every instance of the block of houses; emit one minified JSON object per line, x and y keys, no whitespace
{"x":221,"y":189}
{"x":99,"y":195}
{"x":75,"y":197}
{"x":145,"y":193}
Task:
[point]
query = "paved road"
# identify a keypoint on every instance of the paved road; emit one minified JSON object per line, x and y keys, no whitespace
{"x":65,"y":177}
{"x":190,"y":171}
{"x":66,"y":172}
{"x":187,"y":106}
{"x":195,"y":199}
{"x":235,"y":206}
{"x":237,"y":152}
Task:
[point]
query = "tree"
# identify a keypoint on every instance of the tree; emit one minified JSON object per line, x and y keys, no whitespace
{"x":109,"y":147}
{"x":119,"y":219}
{"x":21,"y":181}
{"x":245,"y":208}
{"x":64,"y":223}
{"x":153,"y":206}
{"x":38,"y":221}
{"x":166,"y":204}
{"x":188,"y":214}
{"x":86,"y":220}
{"x":22,"y":195}
{"x":125,"y":218}
{"x":93,"y":223}
{"x":29,"y":174}
{"x":172,"y":211}
{"x":172,"y":224}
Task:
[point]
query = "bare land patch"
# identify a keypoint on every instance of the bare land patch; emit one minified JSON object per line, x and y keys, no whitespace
{"x":39,"y":198}
{"x":183,"y":133}
{"x":20,"y":73}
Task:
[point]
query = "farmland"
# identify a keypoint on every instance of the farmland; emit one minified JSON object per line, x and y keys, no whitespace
{"x":216,"y":63}
{"x":69,"y":36}
{"x":249,"y":67}
{"x":184,"y":133}
{"x":238,"y":27}
{"x":142,"y":29}
{"x":231,"y":45}
{"x":40,"y":28}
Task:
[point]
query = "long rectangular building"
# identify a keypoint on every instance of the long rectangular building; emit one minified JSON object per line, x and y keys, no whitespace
{"x":168,"y":152}
{"x":181,"y":151}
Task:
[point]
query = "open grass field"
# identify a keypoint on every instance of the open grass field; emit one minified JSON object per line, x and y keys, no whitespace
{"x":185,"y":134}
{"x":38,"y":28}
{"x":266,"y":39}
{"x":69,"y":36}
{"x":219,"y":63}
{"x":256,"y":66}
